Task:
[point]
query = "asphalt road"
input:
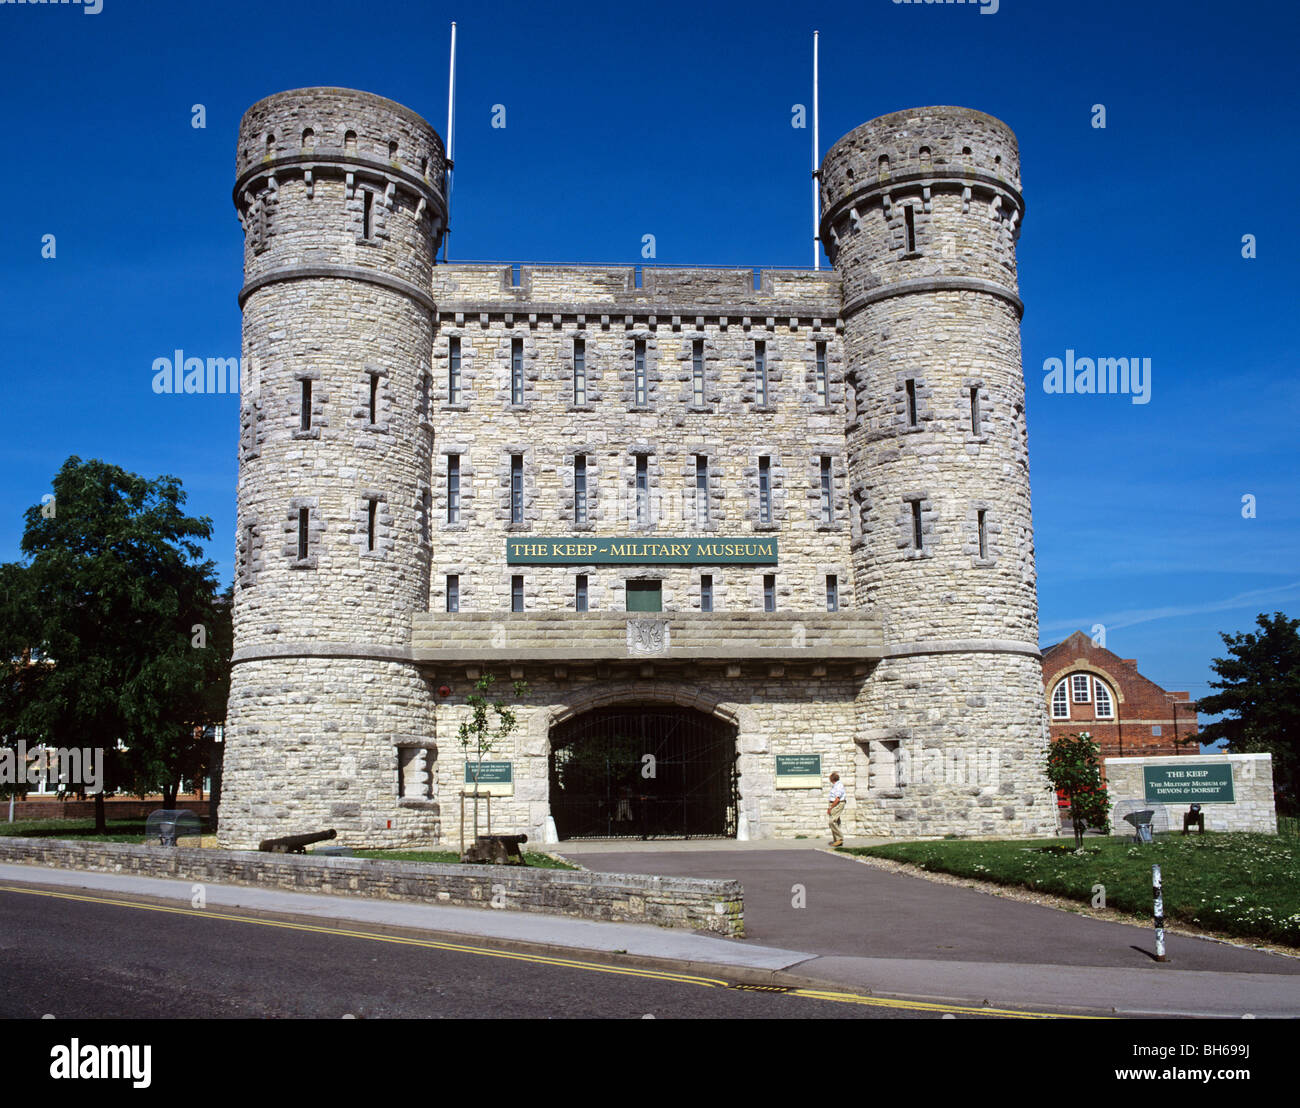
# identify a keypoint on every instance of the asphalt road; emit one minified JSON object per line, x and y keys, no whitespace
{"x":78,"y":958}
{"x":859,"y":910}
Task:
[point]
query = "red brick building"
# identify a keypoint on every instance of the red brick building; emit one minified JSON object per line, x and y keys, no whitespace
{"x":1090,"y":689}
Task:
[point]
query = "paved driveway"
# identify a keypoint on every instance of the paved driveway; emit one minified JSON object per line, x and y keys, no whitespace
{"x":862,"y":911}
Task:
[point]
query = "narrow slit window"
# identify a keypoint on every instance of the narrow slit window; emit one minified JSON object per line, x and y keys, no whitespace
{"x":517,"y":593}
{"x":643,"y":490}
{"x":453,"y":488}
{"x":984,"y":536}
{"x":827,"y":491}
{"x":453,"y":592}
{"x":832,"y":593}
{"x":910,"y":385}
{"x":975,"y":410}
{"x":372,"y":510}
{"x":909,"y":217}
{"x":426,"y":507}
{"x":697,"y":373}
{"x":760,"y":373}
{"x":516,"y":488}
{"x":706,"y":592}
{"x":374,"y":398}
{"x":580,"y":593}
{"x":701,"y":490}
{"x":639,"y":370}
{"x":304,"y":518}
{"x":918,"y":534}
{"x":764,"y":490}
{"x":579,"y":371}
{"x":306,"y":405}
{"x":453,"y":370}
{"x":426,"y":383}
{"x":516,"y":371}
{"x":769,"y":592}
{"x":822,"y":389}
{"x":367,"y":206}
{"x":580,"y":489}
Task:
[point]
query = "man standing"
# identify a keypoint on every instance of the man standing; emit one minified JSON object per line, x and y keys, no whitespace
{"x":836,"y":810}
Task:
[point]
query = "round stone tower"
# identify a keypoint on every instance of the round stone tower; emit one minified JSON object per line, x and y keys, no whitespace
{"x":922,"y":213}
{"x":329,"y":724}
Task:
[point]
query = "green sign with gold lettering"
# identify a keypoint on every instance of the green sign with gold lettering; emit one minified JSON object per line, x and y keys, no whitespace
{"x":587,"y":550}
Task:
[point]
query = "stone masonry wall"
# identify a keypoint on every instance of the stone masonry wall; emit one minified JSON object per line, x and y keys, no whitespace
{"x":700,"y":904}
{"x":1252,"y":786}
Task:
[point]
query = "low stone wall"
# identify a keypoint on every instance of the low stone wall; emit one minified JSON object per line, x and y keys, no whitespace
{"x":1252,"y":786}
{"x":52,"y":808}
{"x":703,"y":905}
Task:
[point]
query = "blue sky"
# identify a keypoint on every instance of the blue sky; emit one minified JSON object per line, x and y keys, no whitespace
{"x":674,"y":119}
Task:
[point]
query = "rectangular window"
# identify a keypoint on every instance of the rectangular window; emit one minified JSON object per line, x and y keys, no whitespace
{"x":517,"y":593}
{"x":764,"y":490}
{"x":304,"y":515}
{"x":372,"y":509}
{"x":706,"y":592}
{"x":975,"y":410}
{"x":367,"y":204}
{"x":984,"y":540}
{"x":580,"y":489}
{"x":579,"y":371}
{"x":701,"y":490}
{"x":374,"y":397}
{"x":643,"y":490}
{"x":645,"y":596}
{"x":909,"y":217}
{"x":832,"y":593}
{"x":639,"y":369}
{"x":911,"y":402}
{"x":580,"y":593}
{"x":769,"y":592}
{"x":516,"y":488}
{"x":760,"y":373}
{"x":306,"y":405}
{"x":1081,"y":684}
{"x":453,"y":370}
{"x":516,"y":371}
{"x":823,"y":390}
{"x":453,"y":592}
{"x":827,"y":492}
{"x":697,"y":373}
{"x":918,"y":537}
{"x":453,"y":488}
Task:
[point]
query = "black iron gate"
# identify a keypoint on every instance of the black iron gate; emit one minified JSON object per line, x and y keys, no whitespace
{"x":644,"y":772}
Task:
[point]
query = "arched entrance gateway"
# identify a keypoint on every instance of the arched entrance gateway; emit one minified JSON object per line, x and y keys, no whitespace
{"x":644,"y":771}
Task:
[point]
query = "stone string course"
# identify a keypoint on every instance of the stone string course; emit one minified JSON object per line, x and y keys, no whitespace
{"x":700,"y":904}
{"x":924,"y":690}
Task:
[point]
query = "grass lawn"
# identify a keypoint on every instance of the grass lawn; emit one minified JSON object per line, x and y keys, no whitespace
{"x":119,"y":830}
{"x":1235,"y":883}
{"x":540,"y":861}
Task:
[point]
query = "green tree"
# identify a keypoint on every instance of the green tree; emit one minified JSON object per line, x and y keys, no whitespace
{"x":479,"y":737}
{"x":113,"y":628}
{"x":1259,"y":698}
{"x":1074,"y":768}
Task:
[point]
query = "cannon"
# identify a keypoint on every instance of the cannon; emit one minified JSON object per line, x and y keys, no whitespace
{"x":295,"y":844}
{"x":497,"y":850}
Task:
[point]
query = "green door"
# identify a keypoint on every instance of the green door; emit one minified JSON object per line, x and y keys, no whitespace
{"x":645,"y":596}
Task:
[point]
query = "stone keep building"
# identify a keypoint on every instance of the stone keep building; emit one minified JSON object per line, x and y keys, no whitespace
{"x":734,"y":529}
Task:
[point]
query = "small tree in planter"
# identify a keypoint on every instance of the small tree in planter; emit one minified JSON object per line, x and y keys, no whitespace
{"x":478,"y":737}
{"x":1074,"y":769}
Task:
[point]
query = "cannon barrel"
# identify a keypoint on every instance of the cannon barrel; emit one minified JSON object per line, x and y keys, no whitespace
{"x":295,"y":844}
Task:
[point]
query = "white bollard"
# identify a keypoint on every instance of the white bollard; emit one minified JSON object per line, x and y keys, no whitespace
{"x":1159,"y":913}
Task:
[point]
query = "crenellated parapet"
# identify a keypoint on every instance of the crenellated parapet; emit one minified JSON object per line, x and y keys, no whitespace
{"x":334,"y":178}
{"x":927,"y":198}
